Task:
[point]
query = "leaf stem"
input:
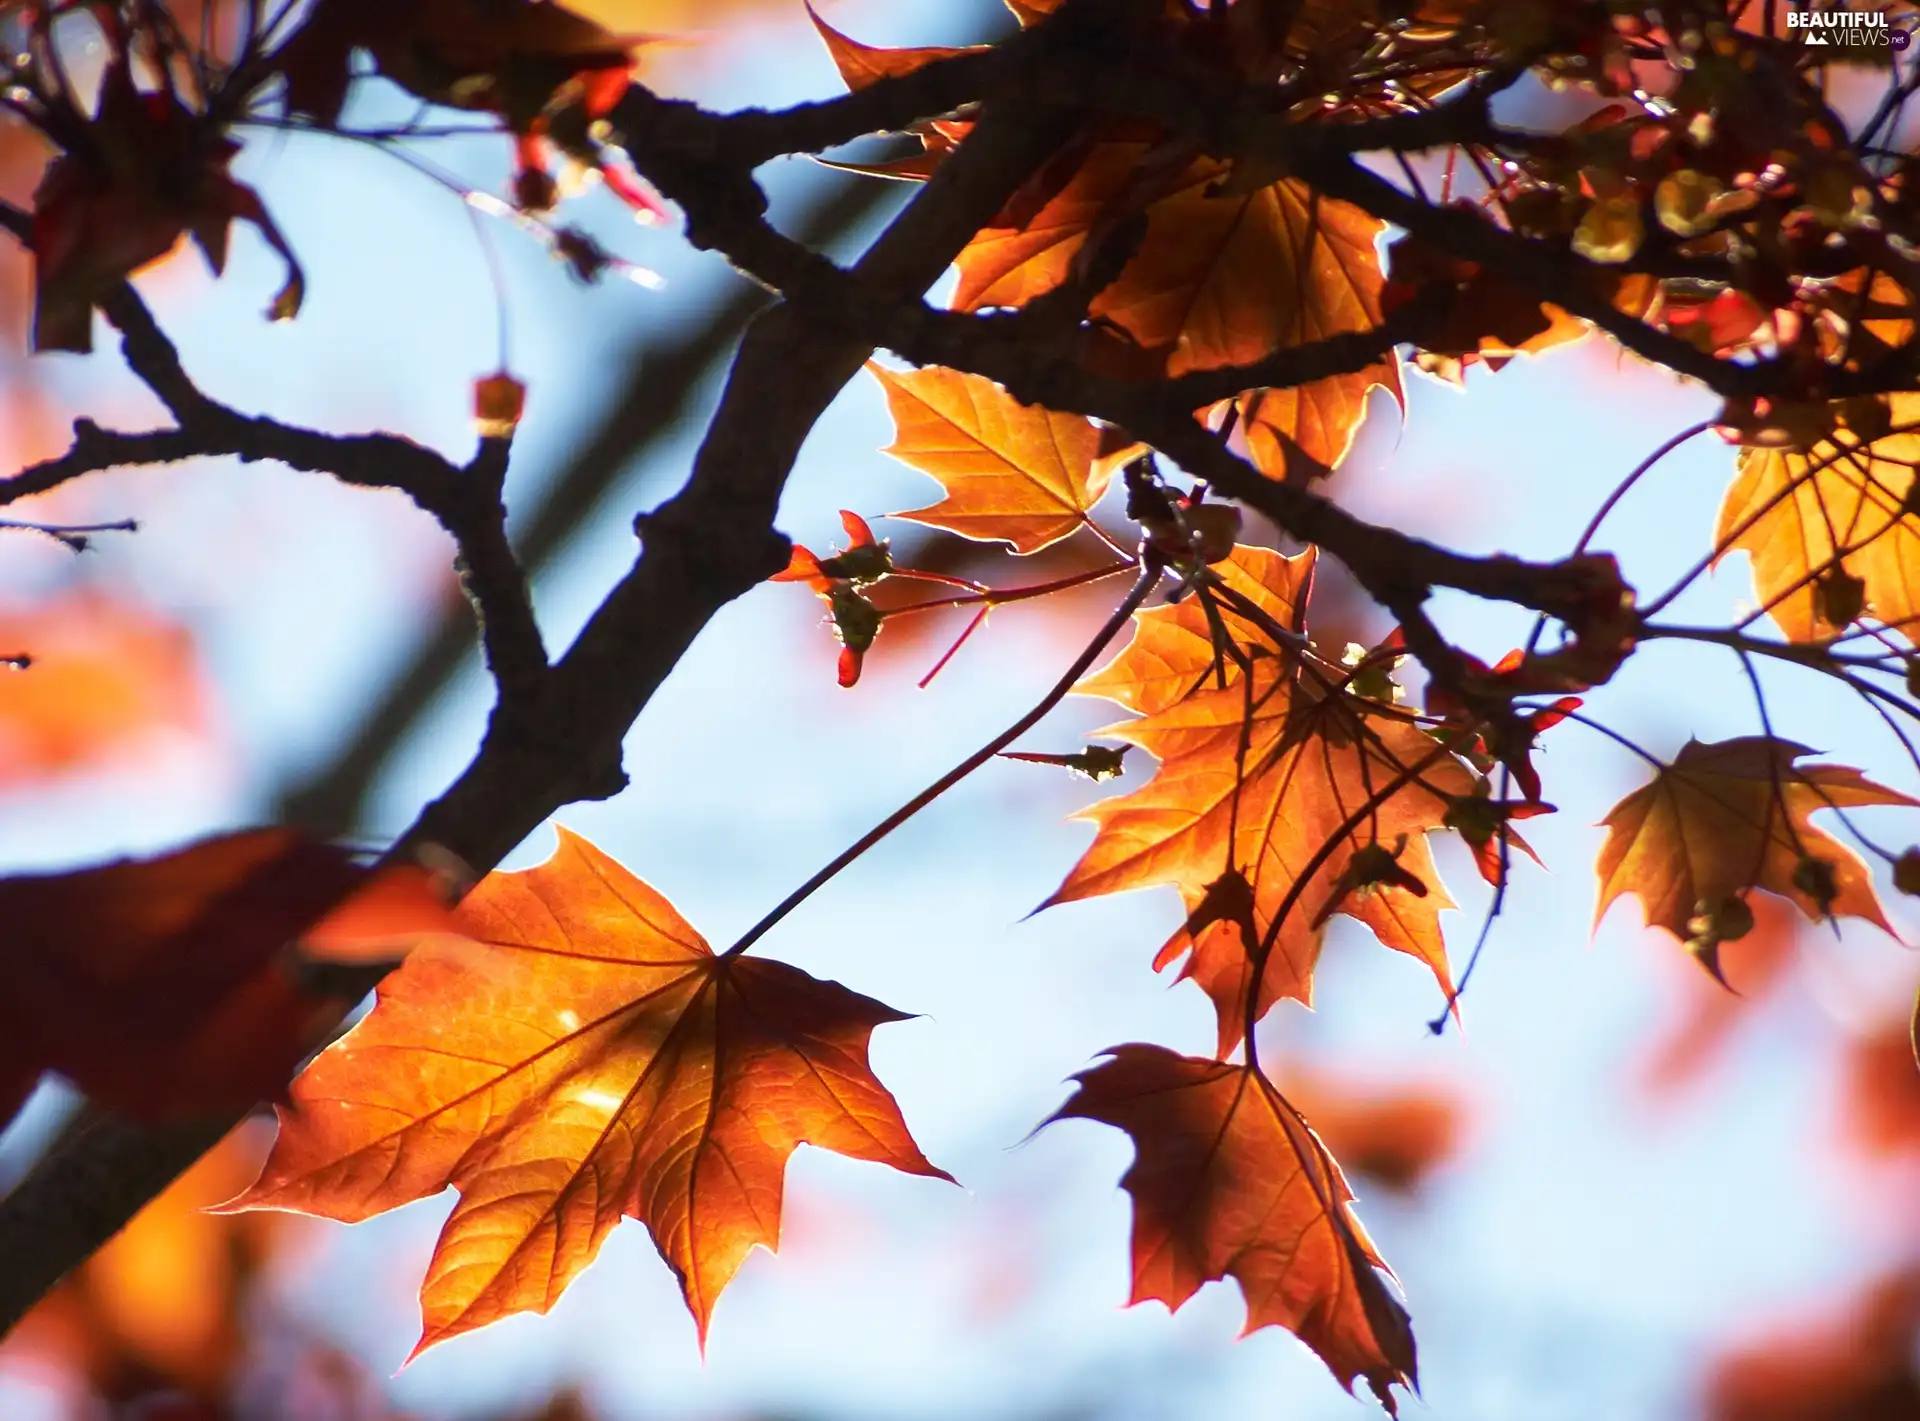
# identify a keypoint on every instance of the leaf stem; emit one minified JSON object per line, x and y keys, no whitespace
{"x":1612,"y":501}
{"x":1257,"y":959}
{"x":1439,"y":1024}
{"x":996,"y":597}
{"x":1143,"y":584}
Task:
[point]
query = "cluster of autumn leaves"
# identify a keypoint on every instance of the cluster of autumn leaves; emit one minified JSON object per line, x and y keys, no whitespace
{"x":1291,"y":787}
{"x":565,"y":1050}
{"x":145,"y":163}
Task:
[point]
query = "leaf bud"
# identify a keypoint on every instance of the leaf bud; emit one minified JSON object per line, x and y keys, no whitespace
{"x":1714,"y":921}
{"x":1683,"y":201}
{"x":1228,"y":899}
{"x":1906,"y":873}
{"x":1202,"y":532}
{"x":1375,"y":865}
{"x":1839,"y":597}
{"x":863,"y":563}
{"x":1096,"y":762}
{"x":856,"y":621}
{"x":1870,"y":417}
{"x":1100,"y":762}
{"x":1611,"y":231}
{"x":534,"y":190}
{"x":1475,"y":817}
{"x":1372,"y":676}
{"x":1726,"y":919}
{"x":498,"y":402}
{"x":1815,"y":877}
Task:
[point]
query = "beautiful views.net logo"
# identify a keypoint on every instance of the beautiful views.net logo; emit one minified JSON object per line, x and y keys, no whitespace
{"x":1846,"y":27}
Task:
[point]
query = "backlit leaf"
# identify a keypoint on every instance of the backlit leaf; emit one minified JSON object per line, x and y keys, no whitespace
{"x":1313,"y":759}
{"x":1219,"y":279}
{"x":1227,"y":1180}
{"x":1841,"y":503}
{"x":1013,"y":472}
{"x":1730,"y":816}
{"x":147,"y":174}
{"x":584,"y":1056}
{"x":162,"y":986}
{"x":861,"y":64}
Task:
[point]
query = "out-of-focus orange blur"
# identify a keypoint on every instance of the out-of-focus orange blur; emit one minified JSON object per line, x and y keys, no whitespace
{"x":106,"y":677}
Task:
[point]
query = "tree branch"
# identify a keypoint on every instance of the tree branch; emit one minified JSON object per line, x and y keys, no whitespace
{"x":662,"y":377}
{"x":711,"y":542}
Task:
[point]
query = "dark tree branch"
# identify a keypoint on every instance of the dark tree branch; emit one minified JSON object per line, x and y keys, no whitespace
{"x":651,"y":401}
{"x":465,"y":500}
{"x":476,"y":515}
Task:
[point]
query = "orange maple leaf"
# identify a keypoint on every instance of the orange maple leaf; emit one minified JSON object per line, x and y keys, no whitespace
{"x":863,"y":64}
{"x":585,"y":1055}
{"x":1732,"y":816}
{"x":1014,"y":473}
{"x":1313,"y":758}
{"x":1228,"y":1179}
{"x":161,"y":986}
{"x":1220,"y":278}
{"x":1838,"y":507}
{"x":1226,"y":272}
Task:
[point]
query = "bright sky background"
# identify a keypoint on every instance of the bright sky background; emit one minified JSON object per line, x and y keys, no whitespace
{"x":1580,"y":1259}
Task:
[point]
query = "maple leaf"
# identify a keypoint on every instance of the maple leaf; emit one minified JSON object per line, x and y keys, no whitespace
{"x":1313,"y":758}
{"x":1017,"y":473}
{"x":1228,"y":1180}
{"x":510,"y":57}
{"x":863,"y":64}
{"x":585,"y":1055}
{"x":547,"y":72}
{"x":149,"y":173}
{"x":1839,"y":506}
{"x":1731,"y":816}
{"x":161,"y":986}
{"x":1220,"y":278}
